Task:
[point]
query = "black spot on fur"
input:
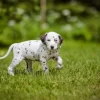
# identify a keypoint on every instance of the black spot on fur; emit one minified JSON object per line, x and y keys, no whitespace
{"x":29,"y":43}
{"x":26,"y":50}
{"x":43,"y":47}
{"x":46,"y":68}
{"x":49,"y":53}
{"x":18,"y":52}
{"x":43,"y":56}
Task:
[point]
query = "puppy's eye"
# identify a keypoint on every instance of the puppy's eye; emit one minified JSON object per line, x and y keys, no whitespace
{"x":48,"y":40}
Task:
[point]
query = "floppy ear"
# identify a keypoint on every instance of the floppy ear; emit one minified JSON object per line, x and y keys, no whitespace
{"x":61,"y":40}
{"x":43,"y":38}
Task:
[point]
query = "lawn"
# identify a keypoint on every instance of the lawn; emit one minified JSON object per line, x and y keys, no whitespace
{"x":79,"y":79}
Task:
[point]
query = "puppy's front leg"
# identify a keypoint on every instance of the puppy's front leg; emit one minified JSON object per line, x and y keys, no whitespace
{"x":44,"y":65}
{"x":59,"y":61}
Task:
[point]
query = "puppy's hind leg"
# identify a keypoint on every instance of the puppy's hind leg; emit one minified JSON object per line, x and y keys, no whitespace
{"x":29,"y":65}
{"x":13,"y":64}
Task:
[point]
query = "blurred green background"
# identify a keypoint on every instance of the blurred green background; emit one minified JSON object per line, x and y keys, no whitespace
{"x":78,"y":21}
{"x":22,"y":20}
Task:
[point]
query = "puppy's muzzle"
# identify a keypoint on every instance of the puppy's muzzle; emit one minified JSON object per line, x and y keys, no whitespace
{"x":52,"y":47}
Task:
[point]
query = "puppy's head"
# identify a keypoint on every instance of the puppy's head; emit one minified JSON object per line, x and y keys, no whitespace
{"x":52,"y":40}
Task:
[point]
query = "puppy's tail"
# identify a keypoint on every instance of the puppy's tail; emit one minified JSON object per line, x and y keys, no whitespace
{"x":9,"y":50}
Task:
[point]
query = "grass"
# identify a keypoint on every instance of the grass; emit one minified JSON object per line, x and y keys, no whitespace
{"x":79,"y":79}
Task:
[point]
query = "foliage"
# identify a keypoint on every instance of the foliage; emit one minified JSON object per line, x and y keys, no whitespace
{"x":22,"y":21}
{"x":79,"y":79}
{"x":76,"y":21}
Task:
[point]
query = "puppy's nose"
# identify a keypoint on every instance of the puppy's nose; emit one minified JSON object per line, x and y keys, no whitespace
{"x":52,"y":47}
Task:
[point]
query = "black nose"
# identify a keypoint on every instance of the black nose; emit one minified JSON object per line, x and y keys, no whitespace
{"x":52,"y":47}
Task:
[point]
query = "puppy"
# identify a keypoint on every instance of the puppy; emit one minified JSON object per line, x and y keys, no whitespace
{"x":36,"y":50}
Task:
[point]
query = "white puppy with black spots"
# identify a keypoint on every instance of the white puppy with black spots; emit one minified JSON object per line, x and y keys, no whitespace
{"x":37,"y":50}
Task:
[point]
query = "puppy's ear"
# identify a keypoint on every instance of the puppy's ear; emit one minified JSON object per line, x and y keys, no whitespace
{"x":43,"y":38}
{"x":61,"y":40}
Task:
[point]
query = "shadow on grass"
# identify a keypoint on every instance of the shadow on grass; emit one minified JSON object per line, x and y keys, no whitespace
{"x":20,"y":72}
{"x":52,"y":71}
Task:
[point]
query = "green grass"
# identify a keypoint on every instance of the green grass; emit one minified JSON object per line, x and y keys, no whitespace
{"x":79,"y":79}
